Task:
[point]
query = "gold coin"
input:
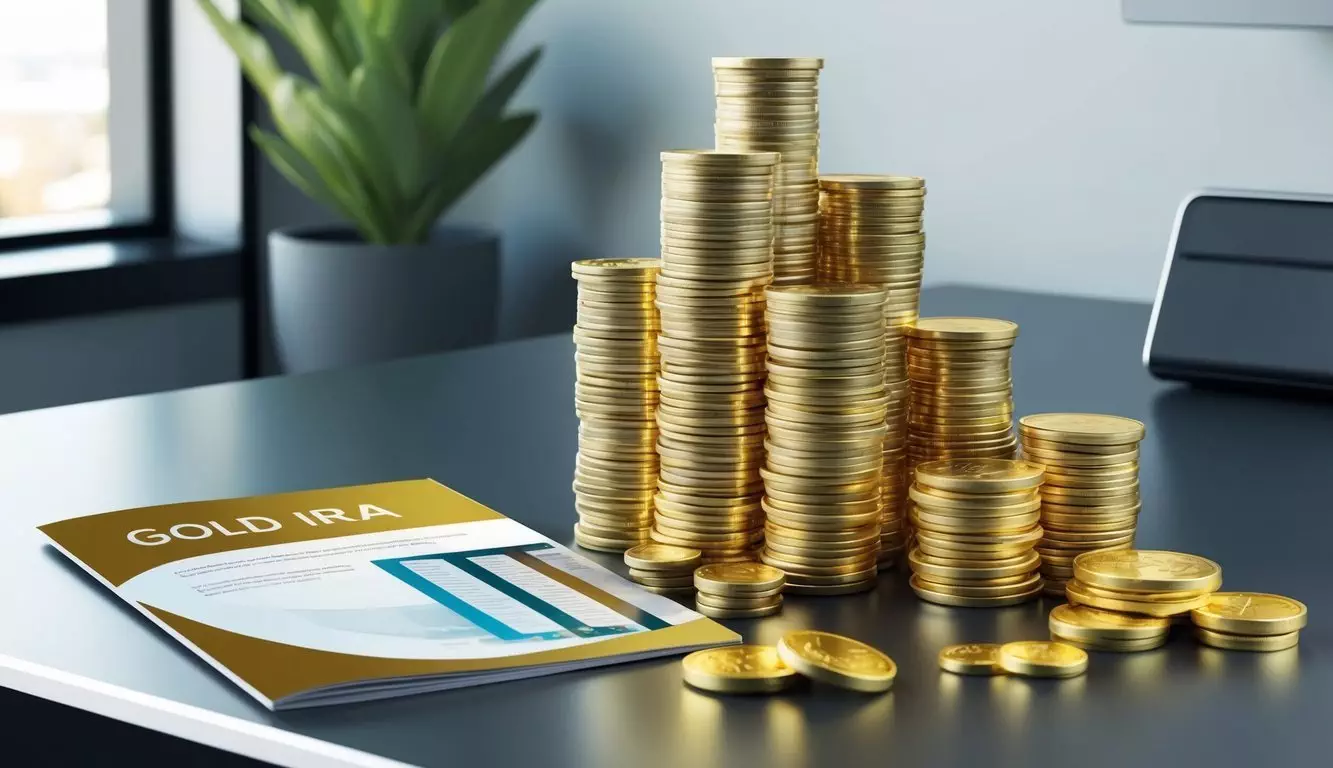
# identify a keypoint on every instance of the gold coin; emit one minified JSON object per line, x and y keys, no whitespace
{"x":714,"y":159}
{"x":673,"y":582}
{"x":1054,"y":459}
{"x":608,"y":268}
{"x":1148,"y":570}
{"x":1075,"y":592}
{"x":1083,"y":428}
{"x":1042,"y":658}
{"x":1250,"y":613}
{"x":1072,"y":450}
{"x":827,"y":590}
{"x":838,"y":660}
{"x":1230,"y":642}
{"x":662,"y":557}
{"x":738,"y":669}
{"x":728,"y":603}
{"x":979,"y":475}
{"x":1115,"y":646}
{"x":737,"y":613}
{"x":924,"y":592}
{"x":963,"y":329}
{"x":738,"y":578}
{"x":1144,"y":597}
{"x":929,"y":567}
{"x":1085,"y":623}
{"x":971,"y":659}
{"x":978,"y":589}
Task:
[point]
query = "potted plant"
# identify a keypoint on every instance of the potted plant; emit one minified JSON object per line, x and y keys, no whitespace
{"x":396,"y":121}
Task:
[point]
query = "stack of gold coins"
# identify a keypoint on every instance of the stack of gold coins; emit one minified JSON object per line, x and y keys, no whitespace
{"x":870,"y":232}
{"x":615,"y":397}
{"x":1090,"y":499}
{"x":961,"y":395}
{"x":1249,"y":621}
{"x":976,"y":523}
{"x":1147,"y":582}
{"x":825,"y":417}
{"x":772,"y":104}
{"x":1093,"y":629}
{"x":662,"y":568}
{"x":738,"y":590}
{"x":717,"y":258}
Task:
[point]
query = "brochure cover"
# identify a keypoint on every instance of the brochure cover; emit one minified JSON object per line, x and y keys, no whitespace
{"x":372,"y":591}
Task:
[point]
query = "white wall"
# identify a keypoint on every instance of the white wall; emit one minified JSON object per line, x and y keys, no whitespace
{"x":1056,"y":139}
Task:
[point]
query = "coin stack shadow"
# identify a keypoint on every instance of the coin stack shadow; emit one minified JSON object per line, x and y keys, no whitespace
{"x":871,"y":232}
{"x":826,"y":424}
{"x":976,"y":524}
{"x":717,"y":257}
{"x":1090,"y":498}
{"x":772,"y":104}
{"x":615,"y":398}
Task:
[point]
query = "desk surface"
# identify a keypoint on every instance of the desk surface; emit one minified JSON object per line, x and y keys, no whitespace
{"x":1243,"y":480}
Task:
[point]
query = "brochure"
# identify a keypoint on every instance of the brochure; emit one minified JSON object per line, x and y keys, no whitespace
{"x":372,"y":591}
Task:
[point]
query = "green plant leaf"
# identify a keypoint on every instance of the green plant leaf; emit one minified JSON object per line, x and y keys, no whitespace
{"x":456,"y":72}
{"x":326,"y":143}
{"x":298,"y":171}
{"x":251,"y":49}
{"x":497,"y":97}
{"x":388,"y":111}
{"x":407,"y":26}
{"x":475,"y":154}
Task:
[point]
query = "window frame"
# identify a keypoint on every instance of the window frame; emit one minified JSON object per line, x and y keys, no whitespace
{"x":151,"y":53}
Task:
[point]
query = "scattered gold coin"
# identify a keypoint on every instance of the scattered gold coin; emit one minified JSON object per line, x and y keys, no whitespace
{"x":738,"y":669}
{"x":971,"y":659}
{"x":1043,"y":658}
{"x":838,"y":660}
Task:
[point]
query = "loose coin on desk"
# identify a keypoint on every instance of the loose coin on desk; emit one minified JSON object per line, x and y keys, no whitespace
{"x":1231,"y":642}
{"x":738,"y":669}
{"x":971,"y":659}
{"x":838,"y":660}
{"x":1147,"y":571}
{"x":1040,"y":658}
{"x":1250,"y":613}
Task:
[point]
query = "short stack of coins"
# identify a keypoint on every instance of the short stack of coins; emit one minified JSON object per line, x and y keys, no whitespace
{"x":772,"y":104}
{"x":871,"y":232}
{"x":961,"y":392}
{"x":1090,"y":498}
{"x":615,"y":397}
{"x":1249,"y":621}
{"x":1093,"y":629}
{"x":717,"y":224}
{"x":1144,"y":582}
{"x":663,"y":569}
{"x":976,"y":524}
{"x":825,"y":418}
{"x":738,"y":590}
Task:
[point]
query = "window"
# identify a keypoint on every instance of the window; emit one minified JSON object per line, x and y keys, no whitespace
{"x":76,"y":133}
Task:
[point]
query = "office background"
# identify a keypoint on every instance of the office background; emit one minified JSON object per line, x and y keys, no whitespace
{"x":1057,"y":141}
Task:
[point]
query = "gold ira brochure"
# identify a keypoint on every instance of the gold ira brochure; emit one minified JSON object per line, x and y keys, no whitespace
{"x":372,"y":591}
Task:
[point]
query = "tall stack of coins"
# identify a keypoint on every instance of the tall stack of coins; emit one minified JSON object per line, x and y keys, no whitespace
{"x":772,"y":104}
{"x":1249,"y":621}
{"x":717,"y":258}
{"x":1147,"y":582}
{"x":662,"y":568}
{"x":1090,"y":499}
{"x":976,"y":524}
{"x":870,"y":231}
{"x":615,"y":397}
{"x":738,"y":590}
{"x":961,"y":393}
{"x":825,"y":417}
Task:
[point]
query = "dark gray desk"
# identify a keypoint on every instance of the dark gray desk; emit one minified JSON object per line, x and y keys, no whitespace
{"x":1244,"y":480}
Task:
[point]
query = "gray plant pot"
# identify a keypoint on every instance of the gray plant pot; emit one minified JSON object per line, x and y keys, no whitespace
{"x":335,"y":300}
